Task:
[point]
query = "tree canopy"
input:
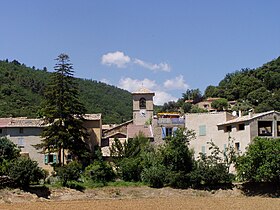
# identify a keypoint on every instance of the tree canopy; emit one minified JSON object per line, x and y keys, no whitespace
{"x":260,"y":163}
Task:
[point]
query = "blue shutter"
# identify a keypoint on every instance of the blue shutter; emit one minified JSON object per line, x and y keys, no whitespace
{"x":163,"y":132}
{"x":46,"y":159}
{"x":174,"y":131}
{"x":54,"y":158}
{"x":203,"y":149}
{"x":202,"y":130}
{"x":225,"y":149}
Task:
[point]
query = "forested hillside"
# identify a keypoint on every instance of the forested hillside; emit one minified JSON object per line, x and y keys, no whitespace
{"x":22,"y":89}
{"x":257,"y":89}
{"x":253,"y":88}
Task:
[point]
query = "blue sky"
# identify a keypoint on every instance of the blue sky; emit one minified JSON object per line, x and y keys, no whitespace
{"x":166,"y":46}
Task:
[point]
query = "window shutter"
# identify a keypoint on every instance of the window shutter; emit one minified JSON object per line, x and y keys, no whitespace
{"x":163,"y":132}
{"x":203,"y":149}
{"x":54,"y":158}
{"x":174,"y":129}
{"x":202,"y":130}
{"x":46,"y":159}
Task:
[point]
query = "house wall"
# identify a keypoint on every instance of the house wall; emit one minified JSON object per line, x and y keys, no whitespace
{"x":29,"y":137}
{"x":94,"y":129}
{"x":241,"y":137}
{"x":32,"y":135}
{"x":161,"y":123}
{"x":274,"y":117}
{"x":199,"y":122}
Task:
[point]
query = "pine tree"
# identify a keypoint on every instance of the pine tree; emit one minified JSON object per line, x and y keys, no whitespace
{"x":63,"y":113}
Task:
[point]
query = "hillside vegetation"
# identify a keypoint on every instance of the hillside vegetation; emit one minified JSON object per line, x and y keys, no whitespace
{"x":22,"y":91}
{"x":253,"y":88}
{"x":257,"y":89}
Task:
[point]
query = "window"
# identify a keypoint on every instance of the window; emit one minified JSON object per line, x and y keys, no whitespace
{"x":142,"y":103}
{"x":168,"y":131}
{"x":20,"y":130}
{"x":1,"y":130}
{"x":265,"y":128}
{"x":203,"y":150}
{"x":20,"y":142}
{"x":165,"y":132}
{"x":241,"y":127}
{"x":202,"y":130}
{"x":68,"y":158}
{"x":50,"y":158}
{"x":236,"y":147}
{"x":228,"y":128}
{"x":278,"y":128}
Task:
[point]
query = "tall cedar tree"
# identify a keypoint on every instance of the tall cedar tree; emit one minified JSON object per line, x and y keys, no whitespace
{"x":63,"y":113}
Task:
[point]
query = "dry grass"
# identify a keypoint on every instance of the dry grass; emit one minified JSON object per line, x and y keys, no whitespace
{"x":130,"y":198}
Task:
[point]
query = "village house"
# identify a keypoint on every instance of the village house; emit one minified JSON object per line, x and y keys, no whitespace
{"x":224,"y":128}
{"x":206,"y":104}
{"x":26,"y":132}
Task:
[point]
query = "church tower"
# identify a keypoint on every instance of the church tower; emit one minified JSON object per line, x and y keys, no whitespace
{"x":143,"y":106}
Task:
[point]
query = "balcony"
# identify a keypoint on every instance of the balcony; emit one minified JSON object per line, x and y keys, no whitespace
{"x":172,"y":121}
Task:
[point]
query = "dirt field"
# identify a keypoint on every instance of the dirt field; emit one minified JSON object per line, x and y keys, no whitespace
{"x":130,"y":198}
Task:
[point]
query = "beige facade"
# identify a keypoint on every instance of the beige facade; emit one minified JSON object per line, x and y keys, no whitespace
{"x":223,"y":128}
{"x":205,"y":127}
{"x":27,"y":132}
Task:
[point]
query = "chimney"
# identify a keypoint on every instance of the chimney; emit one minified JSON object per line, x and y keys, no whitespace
{"x":239,"y":113}
{"x":251,"y":113}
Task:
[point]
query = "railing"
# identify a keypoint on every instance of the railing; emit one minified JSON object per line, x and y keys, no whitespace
{"x":171,"y":121}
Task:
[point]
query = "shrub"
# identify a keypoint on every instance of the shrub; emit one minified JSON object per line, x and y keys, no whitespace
{"x":209,"y":172}
{"x":100,"y":171}
{"x":69,"y":172}
{"x":261,"y":161}
{"x":130,"y":169}
{"x":8,"y":150}
{"x":154,"y":176}
{"x":23,"y":171}
{"x":178,"y":179}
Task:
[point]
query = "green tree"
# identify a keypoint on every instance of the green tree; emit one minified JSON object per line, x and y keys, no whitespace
{"x":213,"y":169}
{"x":63,"y":112}
{"x":177,"y":158}
{"x":128,"y":157}
{"x":8,"y":152}
{"x":100,"y":171}
{"x":24,"y":171}
{"x":260,"y":163}
{"x":69,"y":172}
{"x":220,"y":104}
{"x":192,"y":94}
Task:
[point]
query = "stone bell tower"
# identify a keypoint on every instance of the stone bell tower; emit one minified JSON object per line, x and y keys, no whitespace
{"x":143,"y":106}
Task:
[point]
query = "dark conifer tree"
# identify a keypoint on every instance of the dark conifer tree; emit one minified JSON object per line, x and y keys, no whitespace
{"x":63,"y":113}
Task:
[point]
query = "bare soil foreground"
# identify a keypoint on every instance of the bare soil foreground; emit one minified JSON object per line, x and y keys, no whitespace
{"x":130,"y":198}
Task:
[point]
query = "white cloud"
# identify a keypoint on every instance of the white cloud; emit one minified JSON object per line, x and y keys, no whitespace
{"x":134,"y":84}
{"x":120,"y":60}
{"x":153,"y":67}
{"x":106,"y":81}
{"x":162,"y":97}
{"x":178,"y":83}
{"x":115,"y":58}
